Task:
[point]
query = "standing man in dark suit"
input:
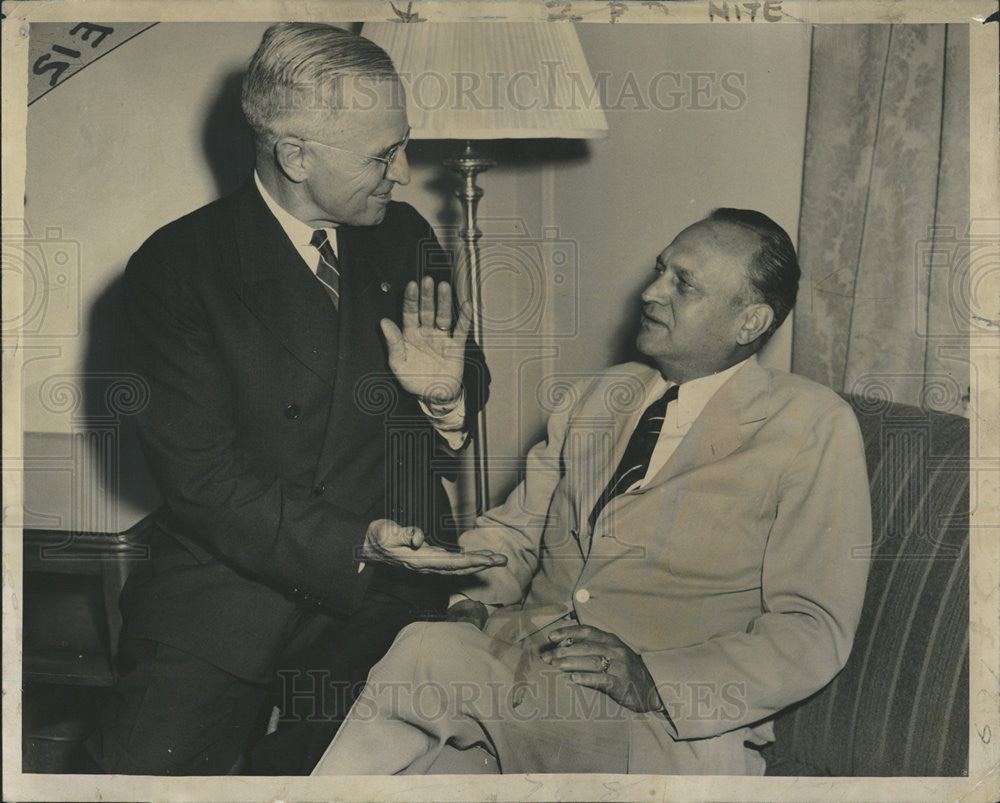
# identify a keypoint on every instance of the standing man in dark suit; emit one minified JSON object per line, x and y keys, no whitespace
{"x":298,"y":448}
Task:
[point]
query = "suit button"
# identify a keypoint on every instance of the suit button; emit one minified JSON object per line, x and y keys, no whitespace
{"x":320,"y":489}
{"x":582,"y":595}
{"x":385,"y":287}
{"x":292,"y":412}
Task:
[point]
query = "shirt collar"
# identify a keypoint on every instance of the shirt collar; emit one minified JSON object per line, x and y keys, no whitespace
{"x":298,"y":232}
{"x":696,"y":393}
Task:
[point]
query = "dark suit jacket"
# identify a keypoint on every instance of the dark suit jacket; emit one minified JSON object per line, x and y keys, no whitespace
{"x":275,"y":430}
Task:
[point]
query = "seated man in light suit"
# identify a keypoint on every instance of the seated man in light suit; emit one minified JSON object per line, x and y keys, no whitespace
{"x":656,"y":625}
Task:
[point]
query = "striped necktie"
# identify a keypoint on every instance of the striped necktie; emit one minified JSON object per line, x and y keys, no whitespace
{"x":635,"y":461}
{"x":328,"y":270}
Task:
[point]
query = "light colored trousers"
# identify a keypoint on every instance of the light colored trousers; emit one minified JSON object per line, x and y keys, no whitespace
{"x":448,"y":698}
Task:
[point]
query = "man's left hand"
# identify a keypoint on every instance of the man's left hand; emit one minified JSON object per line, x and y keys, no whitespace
{"x":602,"y":661}
{"x":427,"y":357}
{"x":389,"y":542}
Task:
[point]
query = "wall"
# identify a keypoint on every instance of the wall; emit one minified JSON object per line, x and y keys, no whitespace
{"x":735,"y":138}
{"x":138,"y":138}
{"x":116,"y":152}
{"x":727,"y":131}
{"x":153,"y":130}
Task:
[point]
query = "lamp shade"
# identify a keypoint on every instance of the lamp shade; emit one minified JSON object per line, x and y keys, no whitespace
{"x":492,"y":80}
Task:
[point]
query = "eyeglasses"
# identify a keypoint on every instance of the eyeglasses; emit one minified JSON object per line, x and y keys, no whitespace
{"x":386,"y":160}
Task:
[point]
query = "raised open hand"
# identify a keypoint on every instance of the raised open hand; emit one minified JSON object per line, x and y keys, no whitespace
{"x":427,"y":356}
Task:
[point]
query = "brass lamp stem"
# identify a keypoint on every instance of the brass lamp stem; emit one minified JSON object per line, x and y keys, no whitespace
{"x":469,"y":164}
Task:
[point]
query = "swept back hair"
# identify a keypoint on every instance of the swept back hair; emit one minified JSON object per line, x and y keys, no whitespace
{"x":773,"y":272}
{"x":299,"y":67}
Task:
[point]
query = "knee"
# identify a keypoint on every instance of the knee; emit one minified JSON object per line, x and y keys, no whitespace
{"x":402,"y":657}
{"x":430,"y":648}
{"x":407,"y":643}
{"x":435,"y":635}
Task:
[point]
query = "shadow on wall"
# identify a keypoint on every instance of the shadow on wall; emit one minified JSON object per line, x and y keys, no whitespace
{"x":516,"y":155}
{"x":111,"y":397}
{"x":111,"y":393}
{"x":623,"y":338}
{"x":226,"y":139}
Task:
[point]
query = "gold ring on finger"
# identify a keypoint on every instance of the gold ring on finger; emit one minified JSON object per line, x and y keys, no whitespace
{"x":605,"y":663}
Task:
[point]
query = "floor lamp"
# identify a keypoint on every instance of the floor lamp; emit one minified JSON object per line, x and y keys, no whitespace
{"x":489,"y":80}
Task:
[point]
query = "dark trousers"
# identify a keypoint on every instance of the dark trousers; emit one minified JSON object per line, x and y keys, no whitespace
{"x":172,"y":713}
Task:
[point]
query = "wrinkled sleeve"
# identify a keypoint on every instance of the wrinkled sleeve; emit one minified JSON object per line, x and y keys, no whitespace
{"x":515,"y":528}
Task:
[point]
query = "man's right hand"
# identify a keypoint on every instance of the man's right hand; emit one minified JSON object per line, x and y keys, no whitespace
{"x":389,"y":542}
{"x":468,"y":610}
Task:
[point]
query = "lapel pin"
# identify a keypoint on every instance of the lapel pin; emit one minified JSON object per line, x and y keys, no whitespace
{"x":385,"y":287}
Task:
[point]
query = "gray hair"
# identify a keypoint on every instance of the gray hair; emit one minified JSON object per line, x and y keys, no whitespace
{"x":298,"y":67}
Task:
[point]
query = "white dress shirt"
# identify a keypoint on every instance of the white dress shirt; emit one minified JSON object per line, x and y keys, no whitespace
{"x":691,"y":400}
{"x":298,"y":232}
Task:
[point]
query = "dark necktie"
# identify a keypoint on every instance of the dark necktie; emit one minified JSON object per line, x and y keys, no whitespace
{"x":328,"y":270}
{"x":635,"y":461}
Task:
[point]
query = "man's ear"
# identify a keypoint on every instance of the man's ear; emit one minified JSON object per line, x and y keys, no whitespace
{"x":756,"y":320}
{"x":291,"y":158}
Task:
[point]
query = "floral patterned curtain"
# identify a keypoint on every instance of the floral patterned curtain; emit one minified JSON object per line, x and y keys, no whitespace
{"x":884,"y":228}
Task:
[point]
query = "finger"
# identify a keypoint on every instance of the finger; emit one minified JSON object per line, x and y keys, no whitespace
{"x":442,"y":320}
{"x":390,"y":331}
{"x":411,"y":306}
{"x":561,"y":633}
{"x":575,"y":632}
{"x":427,"y":301}
{"x":437,"y":557}
{"x":594,"y":680}
{"x":583,"y":633}
{"x":452,"y":565}
{"x":494,"y":558}
{"x":570,"y":648}
{"x":578,"y":663}
{"x":497,"y":556}
{"x":396,"y":536}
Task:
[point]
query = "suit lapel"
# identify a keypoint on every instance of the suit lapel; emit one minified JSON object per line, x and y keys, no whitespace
{"x":280,"y":290}
{"x":726,"y":422}
{"x":729,"y":418}
{"x":597,"y":458}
